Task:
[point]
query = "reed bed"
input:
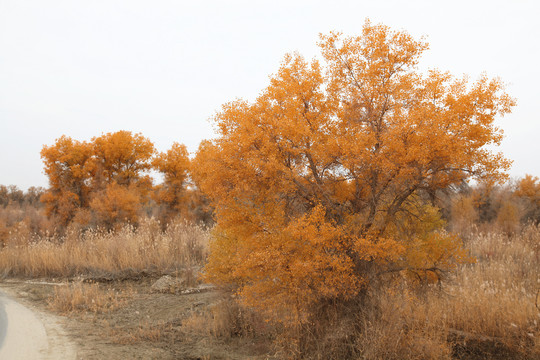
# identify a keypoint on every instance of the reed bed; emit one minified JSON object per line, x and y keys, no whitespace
{"x":145,"y":248}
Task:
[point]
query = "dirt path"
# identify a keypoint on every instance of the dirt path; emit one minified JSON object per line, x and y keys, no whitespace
{"x":147,"y":325}
{"x":29,"y":334}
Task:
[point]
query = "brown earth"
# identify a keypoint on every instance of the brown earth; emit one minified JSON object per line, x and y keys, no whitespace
{"x":147,"y":325}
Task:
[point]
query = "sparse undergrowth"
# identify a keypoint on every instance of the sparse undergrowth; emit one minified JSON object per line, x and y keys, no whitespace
{"x":82,"y":297}
{"x":225,"y":319}
{"x":145,"y":331}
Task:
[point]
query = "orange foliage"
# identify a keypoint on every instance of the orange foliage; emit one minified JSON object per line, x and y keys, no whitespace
{"x":116,"y":204}
{"x":529,"y":187}
{"x":317,"y":184}
{"x":121,"y":157}
{"x":174,"y":165}
{"x":66,"y":165}
{"x":106,"y":175}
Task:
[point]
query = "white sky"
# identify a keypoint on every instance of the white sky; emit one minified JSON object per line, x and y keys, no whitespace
{"x":163,"y":68}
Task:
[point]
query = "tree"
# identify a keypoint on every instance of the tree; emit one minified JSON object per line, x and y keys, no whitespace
{"x":121,"y":157}
{"x":11,"y":195}
{"x":173,"y":193}
{"x":528,"y":189}
{"x":120,"y":181}
{"x":33,"y":195}
{"x":83,"y":174}
{"x":66,"y":166}
{"x":463,"y":213}
{"x":4,"y":196}
{"x":116,"y":204}
{"x":316,"y":184}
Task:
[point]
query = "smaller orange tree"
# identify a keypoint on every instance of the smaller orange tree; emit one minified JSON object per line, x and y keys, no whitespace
{"x":66,"y":166}
{"x":318,"y":185}
{"x":121,"y":157}
{"x":173,"y":193}
{"x":116,"y":204}
{"x":528,"y":189}
{"x":105,"y":179}
{"x":120,"y":180}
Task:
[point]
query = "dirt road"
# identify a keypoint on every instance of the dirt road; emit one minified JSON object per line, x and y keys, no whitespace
{"x":147,"y":325}
{"x":29,"y":334}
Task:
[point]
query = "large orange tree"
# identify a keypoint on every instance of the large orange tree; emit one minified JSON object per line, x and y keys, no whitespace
{"x":319,"y":184}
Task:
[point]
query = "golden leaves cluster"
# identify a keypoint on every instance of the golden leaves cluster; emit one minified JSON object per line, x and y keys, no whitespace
{"x":108,"y":177}
{"x":323,"y":180}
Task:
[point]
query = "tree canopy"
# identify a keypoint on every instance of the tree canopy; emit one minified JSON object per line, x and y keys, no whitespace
{"x":320,"y":183}
{"x":106,"y":175}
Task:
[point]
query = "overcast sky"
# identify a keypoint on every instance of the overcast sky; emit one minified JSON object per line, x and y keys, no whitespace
{"x":163,"y":68}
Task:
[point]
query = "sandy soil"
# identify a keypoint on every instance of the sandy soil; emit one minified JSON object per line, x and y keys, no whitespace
{"x":147,"y":326}
{"x":28,"y":334}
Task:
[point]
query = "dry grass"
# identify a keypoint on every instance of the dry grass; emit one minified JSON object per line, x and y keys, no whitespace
{"x":82,"y":297}
{"x":225,"y":319}
{"x":496,"y":296}
{"x":483,"y":310}
{"x":146,"y":331}
{"x":392,"y":326}
{"x":488,"y":309}
{"x":146,"y":248}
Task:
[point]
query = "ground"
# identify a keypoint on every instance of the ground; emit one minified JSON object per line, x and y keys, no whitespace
{"x":147,"y":325}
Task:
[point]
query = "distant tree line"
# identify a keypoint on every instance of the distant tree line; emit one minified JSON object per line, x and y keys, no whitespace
{"x":486,"y":206}
{"x":13,"y":195}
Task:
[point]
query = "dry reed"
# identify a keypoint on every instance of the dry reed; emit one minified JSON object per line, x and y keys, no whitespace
{"x":483,"y":310}
{"x":225,"y":319}
{"x":145,"y":248}
{"x":487,"y":309}
{"x":489,"y":304}
{"x":82,"y":297}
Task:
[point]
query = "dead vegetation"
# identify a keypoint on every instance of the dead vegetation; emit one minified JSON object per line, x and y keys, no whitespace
{"x":487,"y":309}
{"x":104,"y":254}
{"x":225,"y":319}
{"x":83,"y":297}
